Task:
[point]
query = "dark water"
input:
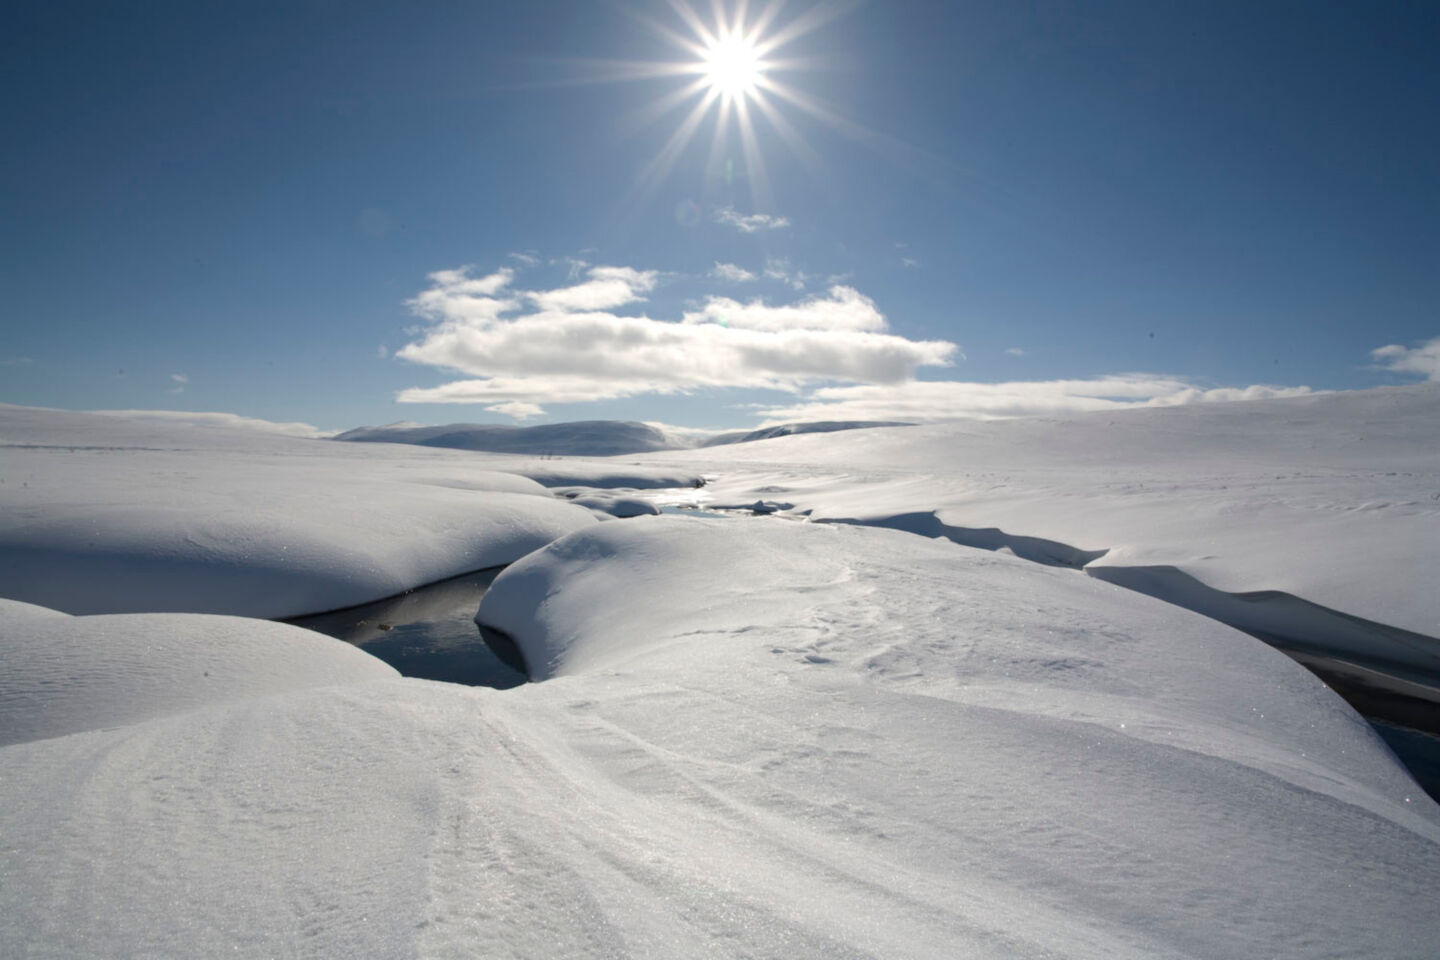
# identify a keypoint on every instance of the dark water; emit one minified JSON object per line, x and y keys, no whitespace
{"x":428,"y":632}
{"x":1419,"y":751}
{"x":1404,"y":710}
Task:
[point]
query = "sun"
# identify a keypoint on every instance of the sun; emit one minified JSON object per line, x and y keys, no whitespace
{"x":730,"y":78}
{"x":732,"y":66}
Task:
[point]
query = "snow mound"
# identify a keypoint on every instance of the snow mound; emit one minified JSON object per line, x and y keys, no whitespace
{"x":1333,"y":499}
{"x":757,"y":739}
{"x":67,"y":674}
{"x":606,"y":475}
{"x":107,"y":515}
{"x":608,"y":503}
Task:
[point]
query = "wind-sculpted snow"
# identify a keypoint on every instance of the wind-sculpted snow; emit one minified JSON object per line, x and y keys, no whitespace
{"x":604,"y":474}
{"x":752,"y":738}
{"x":1334,"y":499}
{"x":103,"y":515}
{"x":1012,"y":739}
{"x":66,"y":674}
{"x":608,"y":503}
{"x":756,"y":739}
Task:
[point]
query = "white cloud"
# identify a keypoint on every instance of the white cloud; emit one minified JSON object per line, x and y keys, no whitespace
{"x":778,"y":268}
{"x":909,"y":262}
{"x":607,"y":288}
{"x":518,"y":409}
{"x":845,"y":308}
{"x":1015,"y":351}
{"x":455,"y":296}
{"x":528,"y":259}
{"x":228,"y":420}
{"x":752,"y":223}
{"x":16,"y":361}
{"x":570,"y":349}
{"x":952,"y":400}
{"x":730,"y":272}
{"x":382,"y":352}
{"x":179,"y":378}
{"x":1423,"y":360}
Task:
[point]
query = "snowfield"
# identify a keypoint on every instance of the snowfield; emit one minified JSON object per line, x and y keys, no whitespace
{"x":749,"y":738}
{"x":1332,"y":499}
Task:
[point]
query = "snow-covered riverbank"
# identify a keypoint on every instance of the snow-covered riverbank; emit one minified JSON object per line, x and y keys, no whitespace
{"x":751,"y":739}
{"x":1237,"y":510}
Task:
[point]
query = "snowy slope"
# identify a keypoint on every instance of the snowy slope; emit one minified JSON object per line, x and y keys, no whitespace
{"x":584,"y":438}
{"x":68,"y":674}
{"x":102,"y":514}
{"x":1334,"y":499}
{"x":791,"y":429}
{"x":757,"y":739}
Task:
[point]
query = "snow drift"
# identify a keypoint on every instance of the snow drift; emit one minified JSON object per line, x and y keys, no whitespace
{"x":758,"y":739}
{"x":100,"y":514}
{"x":67,"y":674}
{"x":1332,"y":501}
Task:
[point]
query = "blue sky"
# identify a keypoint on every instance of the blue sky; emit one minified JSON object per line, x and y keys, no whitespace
{"x":269,"y":209}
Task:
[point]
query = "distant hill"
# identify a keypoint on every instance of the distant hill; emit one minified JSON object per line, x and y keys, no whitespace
{"x":581,"y":438}
{"x":787,"y":429}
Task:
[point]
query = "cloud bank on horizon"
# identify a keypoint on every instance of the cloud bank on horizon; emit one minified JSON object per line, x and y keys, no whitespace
{"x":519,"y":349}
{"x":1423,"y":360}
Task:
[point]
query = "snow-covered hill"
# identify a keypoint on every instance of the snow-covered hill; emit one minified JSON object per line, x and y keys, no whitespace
{"x":1332,"y":499}
{"x":582,"y":438}
{"x":749,"y":737}
{"x":756,"y":739}
{"x":790,"y":429}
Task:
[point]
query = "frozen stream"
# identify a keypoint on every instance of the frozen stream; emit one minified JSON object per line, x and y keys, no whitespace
{"x":428,"y":632}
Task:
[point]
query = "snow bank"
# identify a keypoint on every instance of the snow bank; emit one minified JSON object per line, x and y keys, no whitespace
{"x":608,"y":503}
{"x":107,"y":515}
{"x":1334,"y":499}
{"x":605,"y":474}
{"x":1054,"y":760}
{"x":758,"y":739}
{"x":66,"y":674}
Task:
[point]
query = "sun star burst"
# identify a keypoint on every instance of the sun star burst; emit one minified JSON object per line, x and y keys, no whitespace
{"x":732,"y":66}
{"x":731,"y":78}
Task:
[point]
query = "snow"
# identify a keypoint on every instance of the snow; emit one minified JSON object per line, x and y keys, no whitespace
{"x":592,"y":438}
{"x":747,"y":738}
{"x":608,"y":503}
{"x":582,"y":438}
{"x":754,"y":739}
{"x":1333,"y":499}
{"x":788,"y":429}
{"x":68,"y":674}
{"x":108,"y":515}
